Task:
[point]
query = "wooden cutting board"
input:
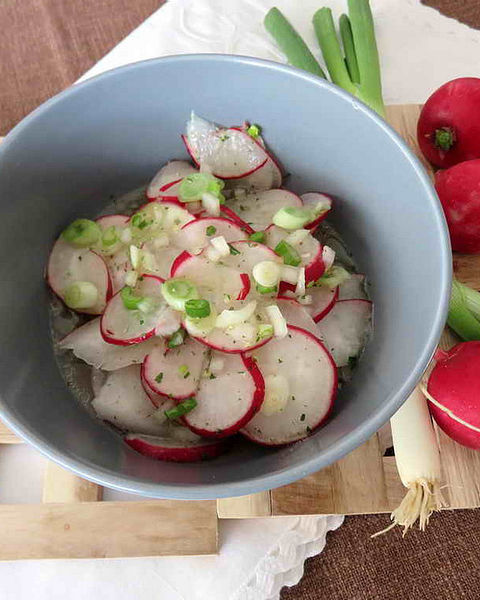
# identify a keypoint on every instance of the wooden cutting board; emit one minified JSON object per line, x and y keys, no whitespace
{"x":73,"y":522}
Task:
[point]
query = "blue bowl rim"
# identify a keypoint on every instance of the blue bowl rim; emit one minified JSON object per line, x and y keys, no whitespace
{"x":357,"y":436}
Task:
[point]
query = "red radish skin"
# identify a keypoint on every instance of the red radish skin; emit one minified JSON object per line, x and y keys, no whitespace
{"x":218,"y":340}
{"x":170,"y":450}
{"x":312,"y":199}
{"x":215,"y":427}
{"x":193,"y":236}
{"x":170,"y":192}
{"x":455,"y":384}
{"x":453,"y":110}
{"x":228,"y":213}
{"x":156,"y":399}
{"x":170,"y":173}
{"x":459,"y":191}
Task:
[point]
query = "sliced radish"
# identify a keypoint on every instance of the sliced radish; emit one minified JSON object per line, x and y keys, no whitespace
{"x":118,"y":266}
{"x":195,"y":236}
{"x":241,"y":339}
{"x":267,"y":177}
{"x":229,"y":214}
{"x":163,"y":258}
{"x":175,"y":372}
{"x":171,"y":172}
{"x":258,"y":209}
{"x":112,"y":221}
{"x":313,"y":200}
{"x":191,"y":449}
{"x":303,"y":364}
{"x":67,"y":265}
{"x":309,"y":249}
{"x":122,"y":401}
{"x":345,"y":329}
{"x":215,"y":282}
{"x":323,"y":300}
{"x":158,"y":400}
{"x":296,"y":314}
{"x":86,"y":343}
{"x":353,"y":288}
{"x":122,"y":326}
{"x":227,"y":402}
{"x":229,"y":153}
{"x":175,"y":216}
{"x":249,"y":254}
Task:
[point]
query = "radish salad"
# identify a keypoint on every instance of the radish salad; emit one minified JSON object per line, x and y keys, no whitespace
{"x":214,"y":303}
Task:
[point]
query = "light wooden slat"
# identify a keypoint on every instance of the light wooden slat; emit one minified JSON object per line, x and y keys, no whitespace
{"x":108,"y":529}
{"x":60,"y":485}
{"x":244,"y":507}
{"x":7,"y":436}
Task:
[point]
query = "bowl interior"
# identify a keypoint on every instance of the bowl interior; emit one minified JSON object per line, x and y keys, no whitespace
{"x":103,"y":138}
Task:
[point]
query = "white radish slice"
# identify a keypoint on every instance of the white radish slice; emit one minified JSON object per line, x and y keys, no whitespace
{"x":227,"y":402}
{"x":68,"y":264}
{"x":323,"y":300}
{"x":214,"y":281}
{"x":353,"y":288}
{"x":175,"y":216}
{"x":345,"y":329}
{"x":122,"y":401}
{"x":175,"y":372}
{"x":176,"y":450}
{"x":312,"y":200}
{"x":122,"y":326}
{"x":158,"y":400}
{"x":230,"y":153}
{"x":194,"y":236}
{"x":162,"y":258}
{"x":112,"y":221}
{"x":302,"y":361}
{"x":309,"y":248}
{"x":267,"y":177}
{"x":86,"y":343}
{"x":249,"y":254}
{"x":118,"y":266}
{"x":172,"y":171}
{"x":296,"y":314}
{"x":258,"y":209}
{"x":241,"y":339}
{"x":228,"y":213}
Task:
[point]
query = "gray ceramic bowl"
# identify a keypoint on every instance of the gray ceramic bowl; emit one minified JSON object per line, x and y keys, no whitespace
{"x":108,"y":136}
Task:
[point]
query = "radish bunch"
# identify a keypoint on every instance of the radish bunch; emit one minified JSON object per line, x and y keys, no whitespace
{"x":218,"y":311}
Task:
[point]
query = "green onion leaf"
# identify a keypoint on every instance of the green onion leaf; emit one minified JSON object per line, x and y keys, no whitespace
{"x":333,"y":277}
{"x":177,"y":338}
{"x":460,"y":319}
{"x":159,"y":378}
{"x":254,"y":131}
{"x":81,"y":294}
{"x":292,"y":217}
{"x":110,"y":236}
{"x":233,"y":251}
{"x":130,"y":300}
{"x":211,"y":230}
{"x":349,"y":48}
{"x":197,"y":308}
{"x":288,"y":253}
{"x":177,"y":291}
{"x":82,"y":233}
{"x":263,"y":289}
{"x":258,"y":236}
{"x":181,"y":409}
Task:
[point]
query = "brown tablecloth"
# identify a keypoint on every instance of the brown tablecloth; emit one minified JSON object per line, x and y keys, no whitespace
{"x":45,"y":45}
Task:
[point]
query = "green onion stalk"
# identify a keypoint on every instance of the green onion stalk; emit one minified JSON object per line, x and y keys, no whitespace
{"x":464,"y":312}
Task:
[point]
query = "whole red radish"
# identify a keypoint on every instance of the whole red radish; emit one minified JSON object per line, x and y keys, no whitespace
{"x":454,"y":384}
{"x":459,"y":191}
{"x":448,"y":130}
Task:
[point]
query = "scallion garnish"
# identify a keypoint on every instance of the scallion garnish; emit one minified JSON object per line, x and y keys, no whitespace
{"x":181,"y":409}
{"x":178,"y":291}
{"x":130,"y":300}
{"x":81,"y":294}
{"x":288,"y":253}
{"x":211,"y":230}
{"x":194,"y":186}
{"x":183,"y":371}
{"x":258,"y":236}
{"x":159,"y":378}
{"x":82,"y":233}
{"x":177,"y":338}
{"x":197,"y":308}
{"x":233,"y":250}
{"x":263,"y":289}
{"x":292,"y":217}
{"x":254,"y":131}
{"x":110,"y":236}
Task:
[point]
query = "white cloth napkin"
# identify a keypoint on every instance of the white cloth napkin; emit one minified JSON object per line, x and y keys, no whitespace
{"x":420,"y":49}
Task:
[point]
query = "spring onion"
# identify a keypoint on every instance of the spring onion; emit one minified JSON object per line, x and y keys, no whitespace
{"x":328,"y":257}
{"x":277,"y":320}
{"x":130,"y":300}
{"x":211,"y":230}
{"x":126,"y":235}
{"x":201,"y":327}
{"x":333,"y":277}
{"x":197,"y":308}
{"x":288,"y":253}
{"x":233,"y":250}
{"x":359,"y":43}
{"x":211,"y":204}
{"x":289,"y":274}
{"x":146,"y":221}
{"x":464,"y":312}
{"x":177,"y":338}
{"x":181,"y":409}
{"x":82,"y":233}
{"x":81,"y":294}
{"x":291,"y":43}
{"x":192,"y":187}
{"x":110,"y":237}
{"x":131,"y":278}
{"x":178,"y":291}
{"x":258,"y":236}
{"x":220,"y":245}
{"x":292,"y":217}
{"x":267,"y":273}
{"x":228,"y":318}
{"x":254,"y":131}
{"x":183,"y":371}
{"x":159,"y":377}
{"x":262,"y":289}
{"x":300,"y":288}
{"x":264,"y":330}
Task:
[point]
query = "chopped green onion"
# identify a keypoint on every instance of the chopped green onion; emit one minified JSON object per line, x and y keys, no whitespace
{"x":159,"y":378}
{"x":183,"y":371}
{"x":349,"y":48}
{"x":291,"y":43}
{"x":233,"y":250}
{"x":82,"y":233}
{"x":258,"y":236}
{"x":254,"y":131}
{"x":292,"y":217}
{"x":110,"y":236}
{"x":263,"y":289}
{"x":177,"y":338}
{"x":211,"y":230}
{"x":265,"y":330}
{"x":130,"y":300}
{"x":181,"y":409}
{"x":81,"y":294}
{"x":146,"y":221}
{"x":460,"y":319}
{"x":288,"y":253}
{"x":195,"y":185}
{"x":197,"y":308}
{"x":267,"y":273}
{"x":471,"y":298}
{"x":178,"y":291}
{"x":333,"y":277}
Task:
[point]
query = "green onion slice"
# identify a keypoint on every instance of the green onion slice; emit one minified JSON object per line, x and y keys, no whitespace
{"x":130,"y":300}
{"x":178,"y":291}
{"x":192,"y":187}
{"x":181,"y":409}
{"x":289,"y":254}
{"x":177,"y":338}
{"x":197,"y":308}
{"x":82,"y":233}
{"x":258,"y":236}
{"x":263,"y":289}
{"x":292,"y":217}
{"x":81,"y":294}
{"x":254,"y":131}
{"x":110,"y":236}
